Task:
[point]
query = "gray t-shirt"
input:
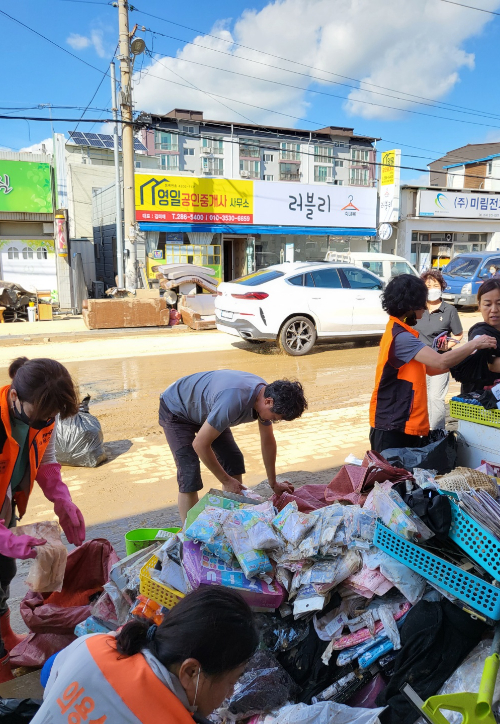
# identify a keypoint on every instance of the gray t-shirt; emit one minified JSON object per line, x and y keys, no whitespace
{"x":404,"y":348}
{"x":223,"y":398}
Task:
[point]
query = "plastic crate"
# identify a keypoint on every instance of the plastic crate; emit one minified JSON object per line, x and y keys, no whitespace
{"x":476,"y":541}
{"x":157,"y":592}
{"x":474,"y":413}
{"x":473,"y":591}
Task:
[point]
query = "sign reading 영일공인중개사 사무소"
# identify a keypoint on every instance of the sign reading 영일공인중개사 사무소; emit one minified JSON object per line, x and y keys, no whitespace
{"x":475,"y":205}
{"x":25,"y":186}
{"x":192,"y":200}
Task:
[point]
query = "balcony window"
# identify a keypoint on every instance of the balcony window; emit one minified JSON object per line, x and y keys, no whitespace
{"x":213,"y":166}
{"x":290,"y":152}
{"x":166,"y":141}
{"x":252,"y":168}
{"x":323,"y":154}
{"x":215,"y":144}
{"x":249,"y":150}
{"x":169,"y":163}
{"x":359,"y":177}
{"x":289,"y":172}
{"x":360,"y":156}
{"x":269,"y":157}
{"x":322,"y":174}
{"x":268,"y":177}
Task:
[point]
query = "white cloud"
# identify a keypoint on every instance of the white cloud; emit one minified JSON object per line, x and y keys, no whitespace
{"x":96,"y":37}
{"x":78,"y":42}
{"x":422,"y":180}
{"x":37,"y":147}
{"x":414,"y":47}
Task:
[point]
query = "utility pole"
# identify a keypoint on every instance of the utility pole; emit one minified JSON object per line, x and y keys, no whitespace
{"x":118,"y":195}
{"x":127,"y":148}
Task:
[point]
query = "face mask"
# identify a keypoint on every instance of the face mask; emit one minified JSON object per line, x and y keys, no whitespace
{"x":433,"y":295}
{"x":23,"y":417}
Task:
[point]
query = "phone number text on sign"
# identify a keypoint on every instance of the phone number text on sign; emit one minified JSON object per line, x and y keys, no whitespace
{"x":194,"y":217}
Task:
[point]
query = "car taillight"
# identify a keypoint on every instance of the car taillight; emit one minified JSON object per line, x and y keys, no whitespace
{"x":251,"y":295}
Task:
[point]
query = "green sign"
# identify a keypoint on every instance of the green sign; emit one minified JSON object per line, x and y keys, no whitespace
{"x":25,"y":186}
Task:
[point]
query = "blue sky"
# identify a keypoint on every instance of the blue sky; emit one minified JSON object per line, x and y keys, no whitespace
{"x":427,"y":48}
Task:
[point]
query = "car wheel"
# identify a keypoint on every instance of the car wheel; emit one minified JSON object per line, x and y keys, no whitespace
{"x":297,"y":336}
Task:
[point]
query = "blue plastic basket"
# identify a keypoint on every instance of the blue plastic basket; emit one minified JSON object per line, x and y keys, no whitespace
{"x":475,"y":540}
{"x":475,"y":592}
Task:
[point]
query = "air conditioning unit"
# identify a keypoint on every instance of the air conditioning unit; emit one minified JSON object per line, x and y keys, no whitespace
{"x":206,"y":150}
{"x":245,"y":174}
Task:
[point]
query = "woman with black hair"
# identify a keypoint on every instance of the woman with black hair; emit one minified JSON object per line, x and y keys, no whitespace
{"x":398,"y":409}
{"x":174,"y":673}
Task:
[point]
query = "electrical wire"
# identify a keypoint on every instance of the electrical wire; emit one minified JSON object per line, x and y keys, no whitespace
{"x":104,"y":75}
{"x":471,"y":7}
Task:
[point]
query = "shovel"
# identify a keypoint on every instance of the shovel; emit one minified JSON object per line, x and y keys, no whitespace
{"x":474,"y":708}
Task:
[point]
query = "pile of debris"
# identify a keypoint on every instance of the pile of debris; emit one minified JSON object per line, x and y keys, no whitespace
{"x":185,"y":278}
{"x":14,"y":302}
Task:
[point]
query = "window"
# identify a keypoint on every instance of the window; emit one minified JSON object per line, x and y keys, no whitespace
{"x":166,"y":141}
{"x":28,"y":253}
{"x":376,"y":267}
{"x":359,"y":155}
{"x":289,"y":172}
{"x":188,"y":129}
{"x":252,"y":168}
{"x":359,"y":177}
{"x":490,"y":168}
{"x":326,"y":279}
{"x":169,"y":162}
{"x":269,"y":157}
{"x":339,"y":163}
{"x":213,"y":166}
{"x":290,"y":151}
{"x":463,"y":266}
{"x":215,"y":144}
{"x":323,"y":154}
{"x":189,"y":151}
{"x":260,"y":277}
{"x":322,"y":174}
{"x":485,"y":271}
{"x":249,"y":149}
{"x":12,"y":252}
{"x":41,"y":253}
{"x":359,"y":279}
{"x":297,"y":281}
{"x":400,"y":267}
{"x":268,"y":177}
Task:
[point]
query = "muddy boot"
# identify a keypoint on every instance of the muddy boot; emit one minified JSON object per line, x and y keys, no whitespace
{"x":5,"y":670}
{"x":9,"y":638}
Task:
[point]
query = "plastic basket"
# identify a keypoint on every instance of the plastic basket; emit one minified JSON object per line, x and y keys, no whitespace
{"x":139,"y":538}
{"x":473,"y":591}
{"x":475,"y":540}
{"x":474,"y":413}
{"x":157,"y":592}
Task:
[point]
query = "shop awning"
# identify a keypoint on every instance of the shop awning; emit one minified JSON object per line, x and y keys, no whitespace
{"x":253,"y":229}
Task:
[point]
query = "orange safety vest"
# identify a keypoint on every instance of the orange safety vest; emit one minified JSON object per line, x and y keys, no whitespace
{"x":9,"y":450}
{"x":399,"y":400}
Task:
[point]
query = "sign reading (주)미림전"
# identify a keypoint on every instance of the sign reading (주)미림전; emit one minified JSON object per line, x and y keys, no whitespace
{"x":25,"y":186}
{"x":225,"y":201}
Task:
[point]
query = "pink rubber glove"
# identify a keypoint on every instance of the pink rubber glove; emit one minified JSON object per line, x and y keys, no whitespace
{"x":18,"y":546}
{"x":49,"y":479}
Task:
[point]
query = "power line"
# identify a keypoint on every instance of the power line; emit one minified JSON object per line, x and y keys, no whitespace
{"x":471,"y":7}
{"x":104,"y":75}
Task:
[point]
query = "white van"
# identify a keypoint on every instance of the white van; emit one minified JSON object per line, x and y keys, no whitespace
{"x":385,"y":266}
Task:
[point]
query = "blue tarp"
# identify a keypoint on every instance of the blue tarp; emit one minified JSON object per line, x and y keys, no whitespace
{"x":254,"y":229}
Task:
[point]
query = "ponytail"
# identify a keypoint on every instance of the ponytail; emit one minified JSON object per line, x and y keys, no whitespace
{"x":16,"y":365}
{"x":132,"y":638}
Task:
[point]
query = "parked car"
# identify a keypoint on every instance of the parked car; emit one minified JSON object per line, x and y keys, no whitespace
{"x":294,"y":304}
{"x":385,"y":266}
{"x":465,"y":274}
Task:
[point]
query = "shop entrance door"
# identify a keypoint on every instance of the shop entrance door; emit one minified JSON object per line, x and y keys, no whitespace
{"x":235,"y":258}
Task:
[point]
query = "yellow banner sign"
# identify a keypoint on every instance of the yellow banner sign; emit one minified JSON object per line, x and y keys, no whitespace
{"x":162,"y":197}
{"x":388,"y":163}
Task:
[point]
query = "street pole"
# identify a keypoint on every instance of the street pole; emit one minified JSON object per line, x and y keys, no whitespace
{"x":127,"y":148}
{"x":118,"y":195}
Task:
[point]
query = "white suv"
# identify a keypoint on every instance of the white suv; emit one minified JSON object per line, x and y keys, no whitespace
{"x":294,"y":304}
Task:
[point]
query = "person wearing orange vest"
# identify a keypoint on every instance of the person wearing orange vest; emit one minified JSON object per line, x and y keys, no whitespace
{"x":175,"y":673}
{"x":41,"y":390}
{"x":398,"y":408}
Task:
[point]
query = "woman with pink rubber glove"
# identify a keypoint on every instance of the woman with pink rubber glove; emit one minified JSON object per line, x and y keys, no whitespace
{"x":40,"y":391}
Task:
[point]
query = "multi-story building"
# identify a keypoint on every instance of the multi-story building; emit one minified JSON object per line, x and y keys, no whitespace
{"x":447,"y":170}
{"x":306,"y":192}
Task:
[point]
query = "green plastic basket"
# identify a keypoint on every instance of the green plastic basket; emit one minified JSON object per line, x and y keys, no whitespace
{"x":136,"y":540}
{"x":474,"y":413}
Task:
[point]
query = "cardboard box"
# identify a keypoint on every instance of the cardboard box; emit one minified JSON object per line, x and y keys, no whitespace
{"x":45,"y":312}
{"x":129,"y":312}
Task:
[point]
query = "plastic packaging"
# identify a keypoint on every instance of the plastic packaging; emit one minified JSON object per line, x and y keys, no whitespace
{"x":391,"y":512}
{"x":257,"y":521}
{"x":411,"y":584}
{"x":79,"y":439}
{"x":254,"y":563}
{"x":264,"y":686}
{"x":333,"y":531}
{"x":292,"y":524}
{"x":324,"y":712}
{"x":46,"y":573}
{"x":342,"y":567}
{"x":359,"y":526}
{"x":147,"y":610}
{"x":425,"y":478}
{"x":18,"y":711}
{"x":278,"y":635}
{"x":208,"y":530}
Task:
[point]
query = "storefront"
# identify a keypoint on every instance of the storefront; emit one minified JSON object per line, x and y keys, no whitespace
{"x":437,"y":224}
{"x":237,"y":227}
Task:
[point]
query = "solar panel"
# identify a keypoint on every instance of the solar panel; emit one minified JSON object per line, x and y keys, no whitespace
{"x":138,"y":146}
{"x":101,"y":140}
{"x":105,"y":137}
{"x":92,"y":136}
{"x":109,"y":144}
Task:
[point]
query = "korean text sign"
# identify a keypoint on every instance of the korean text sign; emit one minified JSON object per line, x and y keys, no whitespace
{"x":389,"y":186}
{"x":25,"y":187}
{"x":161,"y":197}
{"x":459,"y":204}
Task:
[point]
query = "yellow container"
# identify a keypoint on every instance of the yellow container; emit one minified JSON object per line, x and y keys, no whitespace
{"x":157,"y":592}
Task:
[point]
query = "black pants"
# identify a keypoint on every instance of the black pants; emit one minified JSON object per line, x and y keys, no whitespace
{"x":381,"y":440}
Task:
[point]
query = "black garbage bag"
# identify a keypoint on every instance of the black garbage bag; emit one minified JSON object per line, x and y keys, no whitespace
{"x":278,"y":634}
{"x":79,"y":439}
{"x":18,"y":711}
{"x":440,"y":455}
